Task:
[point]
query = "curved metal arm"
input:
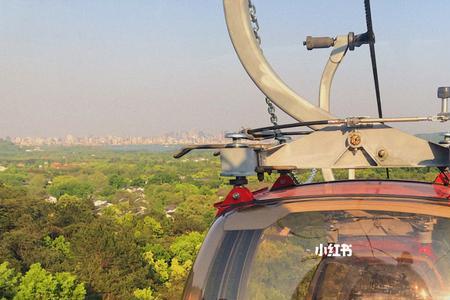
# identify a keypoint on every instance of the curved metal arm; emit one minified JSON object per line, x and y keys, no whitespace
{"x":336,"y":57}
{"x":259,"y":70}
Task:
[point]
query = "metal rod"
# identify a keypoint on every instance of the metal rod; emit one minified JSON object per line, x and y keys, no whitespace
{"x":395,"y":120}
{"x":373,"y":55}
{"x":444,"y":108}
{"x":273,"y":134}
{"x":373,"y":58}
{"x":292,"y":125}
{"x":352,"y":121}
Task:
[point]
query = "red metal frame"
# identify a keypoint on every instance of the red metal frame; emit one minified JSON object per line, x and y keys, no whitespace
{"x":241,"y":196}
{"x":359,"y":188}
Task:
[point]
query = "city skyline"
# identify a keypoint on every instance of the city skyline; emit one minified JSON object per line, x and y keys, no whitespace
{"x":172,"y":138}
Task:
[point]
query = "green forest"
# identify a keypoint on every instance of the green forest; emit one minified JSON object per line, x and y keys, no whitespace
{"x":98,"y":223}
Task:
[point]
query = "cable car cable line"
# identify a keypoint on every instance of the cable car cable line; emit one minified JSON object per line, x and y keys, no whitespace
{"x":371,"y":36}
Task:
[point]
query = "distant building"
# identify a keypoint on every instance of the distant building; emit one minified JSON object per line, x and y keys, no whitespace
{"x":170,"y":210}
{"x":51,"y":199}
{"x":100,"y":203}
{"x":172,"y":138}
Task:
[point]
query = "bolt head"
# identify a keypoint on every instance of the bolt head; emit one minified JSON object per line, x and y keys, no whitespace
{"x":443,"y":92}
{"x":382,"y":154}
{"x":354,"y":139}
{"x":236,"y":196}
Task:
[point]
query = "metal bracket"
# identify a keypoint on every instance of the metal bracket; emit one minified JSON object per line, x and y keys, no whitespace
{"x":380,"y":146}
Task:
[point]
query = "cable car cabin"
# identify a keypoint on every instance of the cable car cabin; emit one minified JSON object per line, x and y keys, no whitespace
{"x":339,"y":240}
{"x":347,"y":240}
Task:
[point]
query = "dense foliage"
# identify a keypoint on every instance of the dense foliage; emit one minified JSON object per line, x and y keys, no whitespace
{"x":102,"y":224}
{"x":94,"y":223}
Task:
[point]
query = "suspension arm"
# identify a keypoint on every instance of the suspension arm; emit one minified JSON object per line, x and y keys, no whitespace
{"x":247,"y":48}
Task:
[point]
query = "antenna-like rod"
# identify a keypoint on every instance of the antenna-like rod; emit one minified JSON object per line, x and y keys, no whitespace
{"x":371,"y":35}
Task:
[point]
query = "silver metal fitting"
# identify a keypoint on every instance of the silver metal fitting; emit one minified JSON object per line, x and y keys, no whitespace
{"x":236,"y":136}
{"x":446,"y":140}
{"x":444,"y":93}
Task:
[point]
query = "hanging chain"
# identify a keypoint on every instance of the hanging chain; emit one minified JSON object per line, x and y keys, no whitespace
{"x":254,"y":20}
{"x":270,"y":106}
{"x":271,"y":111}
{"x":255,"y":27}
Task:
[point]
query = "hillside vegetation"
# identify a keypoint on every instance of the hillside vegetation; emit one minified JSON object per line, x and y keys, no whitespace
{"x":94,"y":223}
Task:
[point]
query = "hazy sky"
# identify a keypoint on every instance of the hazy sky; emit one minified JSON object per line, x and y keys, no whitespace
{"x":155,"y":66}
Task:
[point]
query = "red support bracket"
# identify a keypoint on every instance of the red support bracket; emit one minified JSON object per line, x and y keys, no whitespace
{"x":443,"y":179}
{"x":238,"y":196}
{"x":285,"y":180}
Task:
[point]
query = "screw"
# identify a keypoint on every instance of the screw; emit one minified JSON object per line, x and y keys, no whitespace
{"x":381,"y":153}
{"x":236,"y":196}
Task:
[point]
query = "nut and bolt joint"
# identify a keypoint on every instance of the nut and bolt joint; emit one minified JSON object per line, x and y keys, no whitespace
{"x":354,"y":139}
